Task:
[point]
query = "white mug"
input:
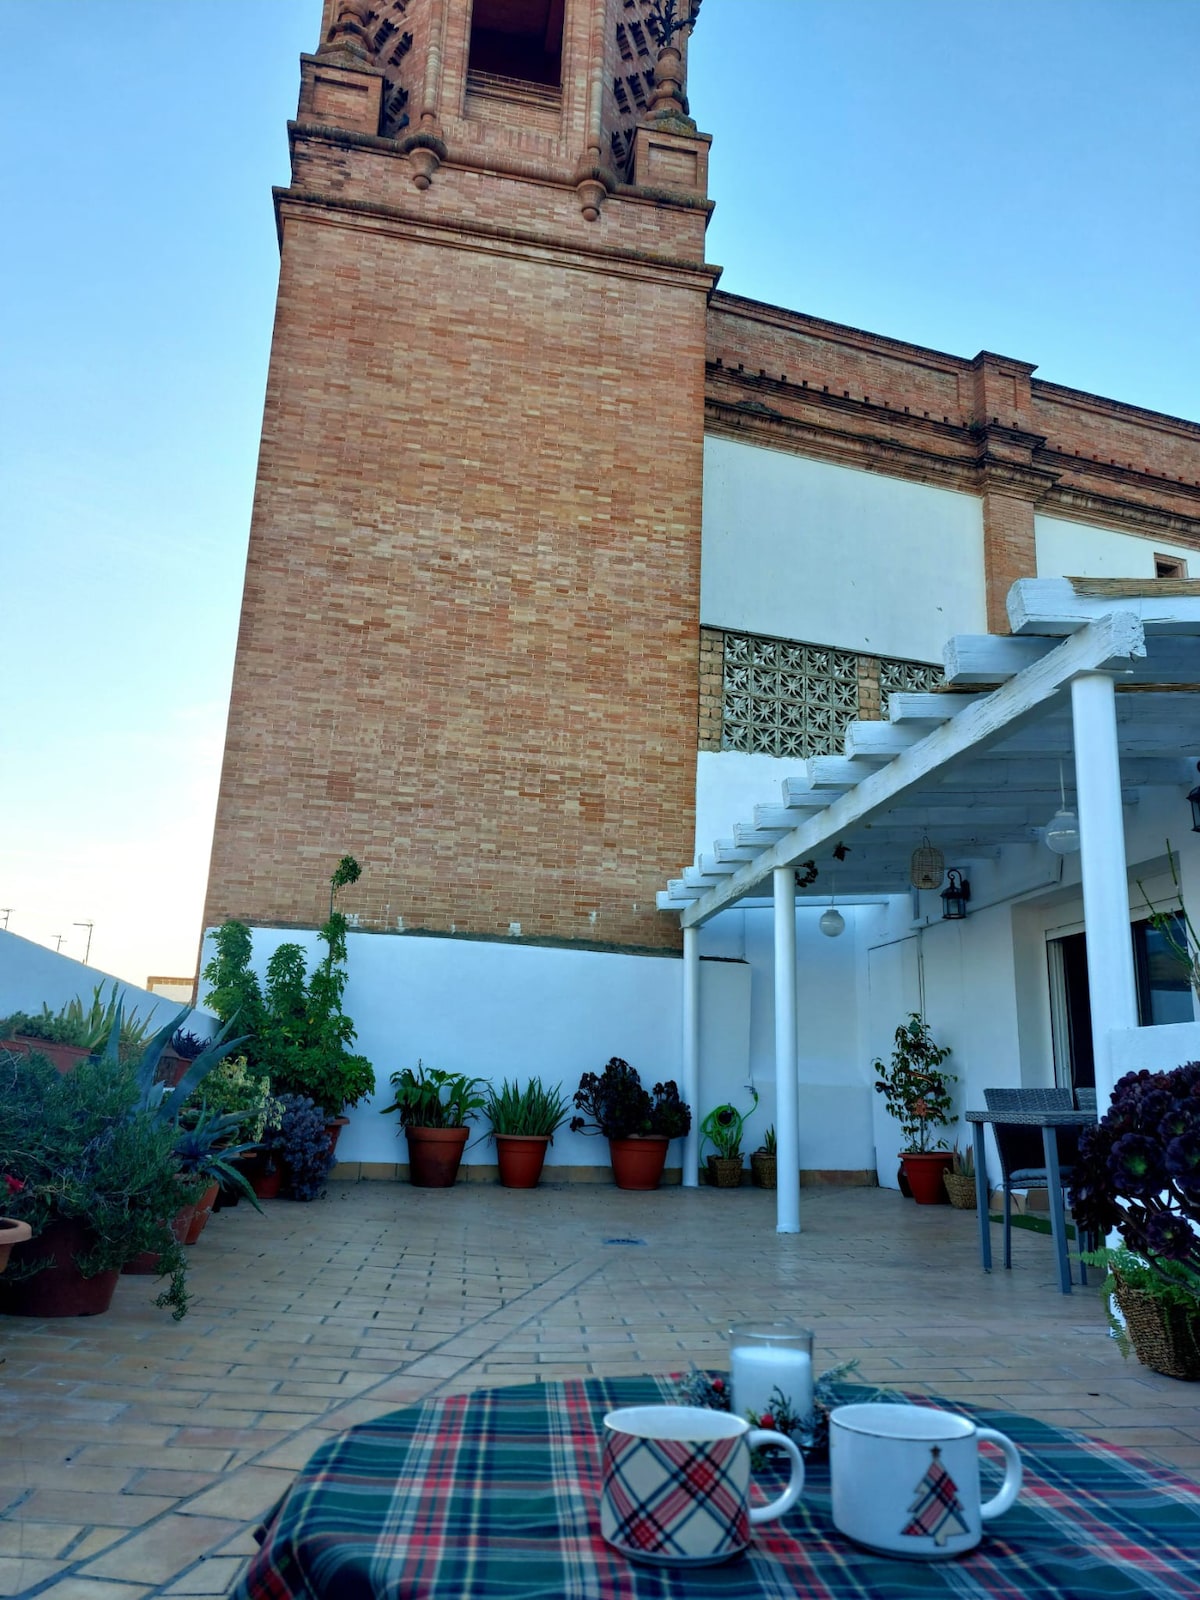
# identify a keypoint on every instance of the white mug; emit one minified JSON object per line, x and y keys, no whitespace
{"x":676,"y":1484}
{"x":906,"y":1479}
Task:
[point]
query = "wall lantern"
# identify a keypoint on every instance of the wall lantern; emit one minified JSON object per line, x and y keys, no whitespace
{"x":955,"y":896}
{"x":927,"y":867}
{"x":1194,"y":797}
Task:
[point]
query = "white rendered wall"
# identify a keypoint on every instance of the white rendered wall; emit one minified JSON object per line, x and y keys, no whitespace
{"x":804,"y":550}
{"x":835,"y":1110}
{"x":729,"y":784}
{"x":499,"y":1010}
{"x":1075,"y":550}
{"x":32,"y":976}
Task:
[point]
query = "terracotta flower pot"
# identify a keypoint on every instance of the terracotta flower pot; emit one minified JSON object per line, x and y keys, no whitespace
{"x":924,"y":1173}
{"x":63,"y":1057}
{"x":333,"y":1131}
{"x":11,"y":1233}
{"x":521,"y":1157}
{"x":200,"y":1214}
{"x":638,"y":1163}
{"x":435,"y":1155}
{"x":59,"y":1290}
{"x":147,"y":1261}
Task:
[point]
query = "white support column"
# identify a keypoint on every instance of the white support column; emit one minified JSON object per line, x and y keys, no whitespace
{"x":787,"y":1094}
{"x":1103,"y":869}
{"x":691,"y":1053}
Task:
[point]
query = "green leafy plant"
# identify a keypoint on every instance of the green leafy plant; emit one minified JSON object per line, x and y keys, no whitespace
{"x":768,"y":1144}
{"x":723,"y":1128}
{"x":616,"y":1106}
{"x":299,"y":1033}
{"x":87,"y":1029}
{"x":431,"y":1098}
{"x":233,"y":1088}
{"x":1176,"y":927}
{"x":915,"y":1089}
{"x":84,"y":1146}
{"x":1171,"y":1283}
{"x":534,"y":1111}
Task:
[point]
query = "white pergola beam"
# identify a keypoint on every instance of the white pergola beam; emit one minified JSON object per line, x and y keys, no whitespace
{"x":986,"y":658}
{"x":1057,"y":607}
{"x":881,"y":740}
{"x":912,"y":707}
{"x":1109,"y":642}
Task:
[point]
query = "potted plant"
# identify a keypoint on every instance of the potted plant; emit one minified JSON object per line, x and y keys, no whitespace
{"x":524,"y":1122}
{"x":763,"y":1168}
{"x":959,"y":1179}
{"x":917,"y":1093}
{"x":300,"y":1035}
{"x":1138,"y":1173}
{"x":94,"y":1153}
{"x":637,"y":1124}
{"x":206,"y":1156}
{"x":68,"y":1035}
{"x":299,"y":1152}
{"x":433,"y":1107}
{"x":722,"y":1128}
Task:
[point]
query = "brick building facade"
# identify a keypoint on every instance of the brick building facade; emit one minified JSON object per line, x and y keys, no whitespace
{"x":471,"y":649}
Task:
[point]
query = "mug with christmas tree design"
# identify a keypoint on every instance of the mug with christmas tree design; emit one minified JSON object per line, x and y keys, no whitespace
{"x":906,"y":1479}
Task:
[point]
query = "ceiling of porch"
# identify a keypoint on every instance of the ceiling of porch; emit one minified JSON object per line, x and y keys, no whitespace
{"x":976,"y":766}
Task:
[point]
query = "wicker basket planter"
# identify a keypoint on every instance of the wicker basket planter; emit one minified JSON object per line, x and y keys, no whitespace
{"x":763,"y":1169}
{"x":1164,"y":1338}
{"x":725,"y":1172}
{"x":960,"y":1189}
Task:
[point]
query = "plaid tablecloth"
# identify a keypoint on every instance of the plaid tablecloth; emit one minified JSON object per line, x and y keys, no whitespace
{"x":494,"y":1496}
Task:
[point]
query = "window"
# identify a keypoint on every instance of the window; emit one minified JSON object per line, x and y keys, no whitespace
{"x":519,"y":39}
{"x":1164,"y":982}
{"x":1170,"y":567}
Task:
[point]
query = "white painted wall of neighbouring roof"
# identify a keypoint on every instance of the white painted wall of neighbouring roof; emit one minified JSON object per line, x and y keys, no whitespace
{"x":1077,"y":550}
{"x":802,"y":549}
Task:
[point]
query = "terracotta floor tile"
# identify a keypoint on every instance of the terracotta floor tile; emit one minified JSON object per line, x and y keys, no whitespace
{"x":159,"y":1553}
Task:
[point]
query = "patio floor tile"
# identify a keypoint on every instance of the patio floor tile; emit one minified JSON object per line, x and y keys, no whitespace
{"x":139,"y":1452}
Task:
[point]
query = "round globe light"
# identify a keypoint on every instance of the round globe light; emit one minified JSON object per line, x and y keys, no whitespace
{"x":1062,"y":832}
{"x":832,"y":923}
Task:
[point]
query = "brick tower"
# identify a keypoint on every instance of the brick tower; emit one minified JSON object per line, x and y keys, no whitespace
{"x":468,"y":645}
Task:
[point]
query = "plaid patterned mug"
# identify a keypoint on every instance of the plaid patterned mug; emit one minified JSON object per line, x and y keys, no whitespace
{"x":676,"y":1484}
{"x":906,"y":1479}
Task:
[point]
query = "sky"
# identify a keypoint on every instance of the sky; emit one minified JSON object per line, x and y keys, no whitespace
{"x":1011,"y":175}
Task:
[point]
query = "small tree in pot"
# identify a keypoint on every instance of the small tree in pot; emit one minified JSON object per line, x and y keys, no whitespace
{"x":637,"y":1124}
{"x":917,"y":1093}
{"x":433,"y":1107}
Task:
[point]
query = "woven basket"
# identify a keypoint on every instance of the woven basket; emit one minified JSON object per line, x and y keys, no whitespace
{"x":960,"y":1189}
{"x":763,"y":1169}
{"x":1164,"y":1338}
{"x":725,"y":1172}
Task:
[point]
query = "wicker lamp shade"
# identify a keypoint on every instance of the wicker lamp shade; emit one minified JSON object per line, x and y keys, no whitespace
{"x":928,"y":866}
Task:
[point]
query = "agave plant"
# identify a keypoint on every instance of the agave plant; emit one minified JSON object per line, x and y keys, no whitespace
{"x":204,"y":1151}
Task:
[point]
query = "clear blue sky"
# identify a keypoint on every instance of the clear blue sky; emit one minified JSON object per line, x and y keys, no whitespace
{"x":1017,"y":176}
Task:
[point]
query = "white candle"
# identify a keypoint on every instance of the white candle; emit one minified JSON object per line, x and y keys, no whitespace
{"x":758,"y":1370}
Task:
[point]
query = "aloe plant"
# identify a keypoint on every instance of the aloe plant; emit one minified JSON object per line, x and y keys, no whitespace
{"x":532,"y":1112}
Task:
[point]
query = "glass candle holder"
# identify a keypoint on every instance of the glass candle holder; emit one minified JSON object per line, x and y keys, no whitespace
{"x":765,"y":1356}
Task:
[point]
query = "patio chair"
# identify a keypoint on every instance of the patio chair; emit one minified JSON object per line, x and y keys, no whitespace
{"x":1022,"y":1154}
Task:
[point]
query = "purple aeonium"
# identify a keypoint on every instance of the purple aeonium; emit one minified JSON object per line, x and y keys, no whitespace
{"x":1136,"y":1165}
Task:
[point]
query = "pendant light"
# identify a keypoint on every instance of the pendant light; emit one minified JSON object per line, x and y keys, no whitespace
{"x":927,"y":867}
{"x":1062,"y":831}
{"x":832,"y":921}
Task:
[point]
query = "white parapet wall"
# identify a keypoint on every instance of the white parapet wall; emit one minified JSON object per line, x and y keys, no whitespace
{"x":501,"y":1009}
{"x":32,"y":976}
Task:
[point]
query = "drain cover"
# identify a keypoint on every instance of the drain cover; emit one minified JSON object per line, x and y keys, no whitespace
{"x":624,"y":1241}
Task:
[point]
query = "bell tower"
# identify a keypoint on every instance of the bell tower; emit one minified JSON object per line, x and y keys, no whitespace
{"x":469,"y":638}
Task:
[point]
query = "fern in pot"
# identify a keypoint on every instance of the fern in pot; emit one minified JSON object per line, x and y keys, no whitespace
{"x":524,"y":1122}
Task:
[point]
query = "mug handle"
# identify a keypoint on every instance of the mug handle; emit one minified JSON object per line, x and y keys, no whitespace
{"x":761,"y":1436}
{"x":1011,"y":1486}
